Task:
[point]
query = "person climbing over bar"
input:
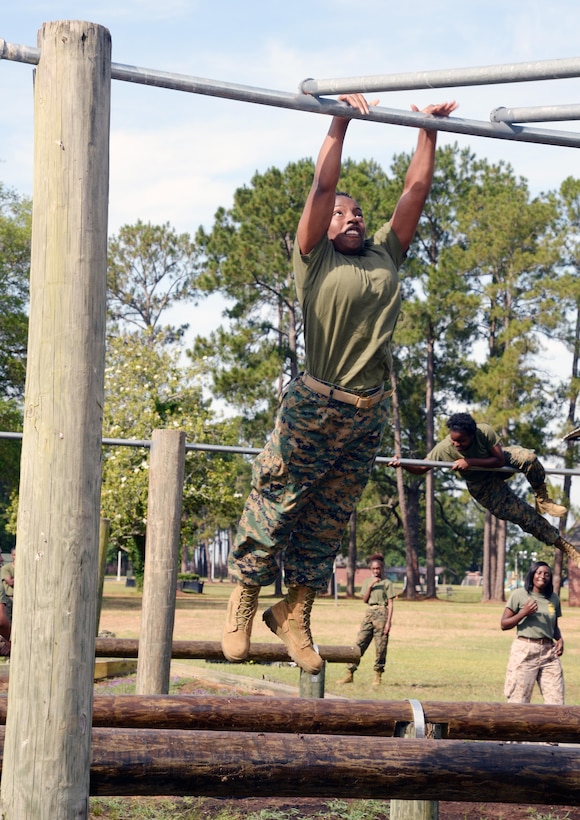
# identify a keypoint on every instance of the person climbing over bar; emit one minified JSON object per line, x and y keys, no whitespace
{"x":314,"y":468}
{"x":471,"y":446}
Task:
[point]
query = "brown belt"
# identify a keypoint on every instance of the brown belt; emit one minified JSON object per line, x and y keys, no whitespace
{"x":361,"y":402}
{"x":535,"y":640}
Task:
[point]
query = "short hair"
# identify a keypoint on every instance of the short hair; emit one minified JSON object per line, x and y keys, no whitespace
{"x":376,"y":557}
{"x":529,"y":579}
{"x":462,"y":423}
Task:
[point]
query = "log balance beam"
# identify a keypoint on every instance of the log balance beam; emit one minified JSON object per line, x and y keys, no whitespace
{"x":295,"y":747}
{"x":528,"y":723}
{"x":146,"y":762}
{"x":212,"y":651}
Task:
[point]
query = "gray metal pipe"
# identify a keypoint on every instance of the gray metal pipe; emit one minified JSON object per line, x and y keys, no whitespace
{"x":304,"y":102}
{"x":252,"y":451}
{"x":539,"y":113}
{"x":447,"y":78}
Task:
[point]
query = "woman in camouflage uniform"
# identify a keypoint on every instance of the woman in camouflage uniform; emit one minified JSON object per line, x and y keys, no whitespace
{"x":472,"y":446}
{"x":378,"y":594}
{"x":314,"y":468}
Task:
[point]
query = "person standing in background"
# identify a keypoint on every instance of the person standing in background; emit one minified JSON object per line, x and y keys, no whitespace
{"x":538,"y":646}
{"x":378,"y":593}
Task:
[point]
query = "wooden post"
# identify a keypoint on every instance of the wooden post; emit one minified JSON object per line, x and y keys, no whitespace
{"x":415,"y":809}
{"x":104,"y":530}
{"x":312,"y":686}
{"x":166,"y":475}
{"x":48,"y":735}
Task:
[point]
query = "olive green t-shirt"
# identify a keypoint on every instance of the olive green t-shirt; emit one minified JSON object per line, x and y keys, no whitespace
{"x":350,"y":305}
{"x":380,"y":594}
{"x":483,"y":443}
{"x":538,"y":624}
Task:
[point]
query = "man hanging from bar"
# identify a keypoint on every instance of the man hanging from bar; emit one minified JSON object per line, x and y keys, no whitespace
{"x":313,"y":470}
{"x":471,"y":446}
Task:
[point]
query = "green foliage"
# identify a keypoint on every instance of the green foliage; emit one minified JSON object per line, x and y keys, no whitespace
{"x":15,"y":236}
{"x":150,"y":268}
{"x":146,"y":389}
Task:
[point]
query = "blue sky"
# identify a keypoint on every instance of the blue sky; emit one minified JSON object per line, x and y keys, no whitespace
{"x":176,"y":157}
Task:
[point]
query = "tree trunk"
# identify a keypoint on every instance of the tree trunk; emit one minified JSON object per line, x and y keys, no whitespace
{"x":352,"y":557}
{"x":486,"y":571}
{"x":409,"y":523}
{"x":430,"y":476}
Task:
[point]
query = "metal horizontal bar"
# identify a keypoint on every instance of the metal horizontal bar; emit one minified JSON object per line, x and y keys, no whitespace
{"x":19,"y":54}
{"x":539,"y":113}
{"x":252,"y":451}
{"x":448,"y":77}
{"x":304,"y":102}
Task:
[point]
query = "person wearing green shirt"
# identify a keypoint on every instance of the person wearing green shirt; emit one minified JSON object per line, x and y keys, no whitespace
{"x":378,"y":594}
{"x":536,"y":651}
{"x":475,"y":451}
{"x":313,"y":470}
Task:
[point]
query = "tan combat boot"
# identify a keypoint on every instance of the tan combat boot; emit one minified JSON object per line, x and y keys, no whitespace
{"x":242,"y":607}
{"x":377,"y":680}
{"x":545,"y":505}
{"x":289,"y":619}
{"x":569,"y":549}
{"x":348,"y":678}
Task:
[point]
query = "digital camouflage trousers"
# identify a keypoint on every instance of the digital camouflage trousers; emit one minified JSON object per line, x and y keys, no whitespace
{"x":495,"y":495}
{"x":373,"y":627}
{"x":530,"y":663}
{"x":305,"y":484}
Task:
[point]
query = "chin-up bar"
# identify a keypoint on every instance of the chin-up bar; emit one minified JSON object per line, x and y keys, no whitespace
{"x":448,"y":77}
{"x":311,"y":102}
{"x":254,"y":451}
{"x":540,"y":113}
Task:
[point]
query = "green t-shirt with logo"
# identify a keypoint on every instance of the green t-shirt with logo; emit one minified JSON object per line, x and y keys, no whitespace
{"x":538,"y":624}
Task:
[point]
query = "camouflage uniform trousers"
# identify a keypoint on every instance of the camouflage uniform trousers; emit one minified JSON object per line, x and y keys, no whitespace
{"x":495,"y":495}
{"x":305,"y":484}
{"x":530,"y":662}
{"x":373,"y":626}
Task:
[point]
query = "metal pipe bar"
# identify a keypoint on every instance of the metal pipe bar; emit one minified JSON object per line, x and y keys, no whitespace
{"x":539,"y":113}
{"x":253,"y":451}
{"x":448,"y":77}
{"x":19,"y":54}
{"x":304,"y":102}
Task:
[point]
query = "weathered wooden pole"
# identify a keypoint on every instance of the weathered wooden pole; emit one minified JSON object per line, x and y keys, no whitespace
{"x":416,"y":809}
{"x":104,"y":531}
{"x":240,"y":764}
{"x":166,"y":475}
{"x":46,"y":763}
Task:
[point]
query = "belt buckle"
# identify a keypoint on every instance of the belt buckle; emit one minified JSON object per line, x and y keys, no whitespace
{"x":364,"y":402}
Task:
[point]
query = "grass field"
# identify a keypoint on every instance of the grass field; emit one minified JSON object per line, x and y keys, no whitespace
{"x":451,"y":649}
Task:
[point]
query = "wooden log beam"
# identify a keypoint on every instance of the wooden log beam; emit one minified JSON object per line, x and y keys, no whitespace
{"x":459,"y":721}
{"x":240,"y":764}
{"x":212,"y":651}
